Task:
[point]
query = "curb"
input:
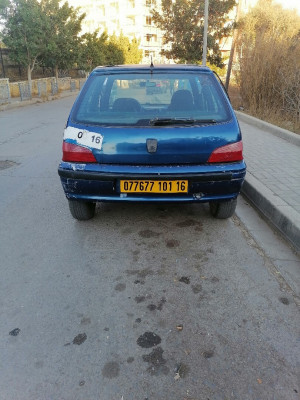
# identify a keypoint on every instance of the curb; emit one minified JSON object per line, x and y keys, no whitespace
{"x":275,"y":209}
{"x":36,"y":100}
{"x":289,"y":136}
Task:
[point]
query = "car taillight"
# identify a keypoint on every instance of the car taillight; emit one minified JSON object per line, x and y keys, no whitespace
{"x":75,"y":153}
{"x":229,"y":153}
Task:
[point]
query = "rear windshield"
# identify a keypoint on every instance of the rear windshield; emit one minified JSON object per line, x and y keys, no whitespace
{"x":141,"y":98}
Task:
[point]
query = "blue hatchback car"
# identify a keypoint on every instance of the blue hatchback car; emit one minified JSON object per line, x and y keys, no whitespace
{"x":124,"y":142}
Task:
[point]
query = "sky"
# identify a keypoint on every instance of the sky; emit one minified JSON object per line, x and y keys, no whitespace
{"x":290,"y":4}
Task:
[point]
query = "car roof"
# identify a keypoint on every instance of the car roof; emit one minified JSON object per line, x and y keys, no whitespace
{"x":155,"y":68}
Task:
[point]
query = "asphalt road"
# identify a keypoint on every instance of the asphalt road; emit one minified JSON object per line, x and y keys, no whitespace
{"x":143,"y":302}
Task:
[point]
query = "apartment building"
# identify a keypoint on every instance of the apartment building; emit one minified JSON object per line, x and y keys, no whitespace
{"x":131,"y":17}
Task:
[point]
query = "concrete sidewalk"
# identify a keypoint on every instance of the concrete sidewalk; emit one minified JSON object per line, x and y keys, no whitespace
{"x":17,"y":102}
{"x":272,"y":182}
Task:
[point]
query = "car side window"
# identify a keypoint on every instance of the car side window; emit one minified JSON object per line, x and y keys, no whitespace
{"x":91,"y":102}
{"x":208,"y":98}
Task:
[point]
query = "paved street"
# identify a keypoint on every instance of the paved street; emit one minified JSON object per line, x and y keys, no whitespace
{"x":157,"y":302}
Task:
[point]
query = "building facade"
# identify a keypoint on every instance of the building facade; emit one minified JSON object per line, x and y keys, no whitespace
{"x":131,"y":17}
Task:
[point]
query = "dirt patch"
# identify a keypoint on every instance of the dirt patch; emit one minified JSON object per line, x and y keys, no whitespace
{"x":172,"y":243}
{"x":157,"y":362}
{"x":79,"y":339}
{"x":7,"y":164}
{"x":147,"y":233}
{"x":111,"y":370}
{"x":148,"y":339}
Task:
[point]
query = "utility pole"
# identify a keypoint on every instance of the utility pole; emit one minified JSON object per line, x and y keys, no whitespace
{"x":205,"y":33}
{"x":234,"y":39}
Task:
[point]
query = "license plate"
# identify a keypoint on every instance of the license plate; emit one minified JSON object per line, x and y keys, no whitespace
{"x":148,"y":186}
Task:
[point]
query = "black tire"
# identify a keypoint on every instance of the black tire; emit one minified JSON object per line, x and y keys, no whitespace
{"x":222,"y":210}
{"x":82,"y":210}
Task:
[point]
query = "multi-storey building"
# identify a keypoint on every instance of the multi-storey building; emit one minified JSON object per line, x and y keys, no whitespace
{"x":131,"y":17}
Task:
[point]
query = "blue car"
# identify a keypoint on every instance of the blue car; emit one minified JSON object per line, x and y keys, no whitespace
{"x":182,"y":144}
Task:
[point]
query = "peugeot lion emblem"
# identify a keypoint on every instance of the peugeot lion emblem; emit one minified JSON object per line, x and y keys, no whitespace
{"x":151,"y":145}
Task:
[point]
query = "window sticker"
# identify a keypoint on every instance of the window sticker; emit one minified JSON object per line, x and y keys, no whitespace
{"x":84,"y":138}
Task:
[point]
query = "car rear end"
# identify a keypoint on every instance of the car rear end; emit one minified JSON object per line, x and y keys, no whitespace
{"x":180,"y":145}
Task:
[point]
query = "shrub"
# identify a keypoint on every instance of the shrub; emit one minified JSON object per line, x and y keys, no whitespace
{"x":269,"y":62}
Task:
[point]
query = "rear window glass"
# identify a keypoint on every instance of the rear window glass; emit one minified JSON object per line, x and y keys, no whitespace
{"x":139,"y":98}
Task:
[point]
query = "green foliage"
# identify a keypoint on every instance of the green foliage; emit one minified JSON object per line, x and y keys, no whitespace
{"x":4,"y":6}
{"x":48,"y":32}
{"x":93,"y":51}
{"x":114,"y":53}
{"x":104,"y":50}
{"x":41,"y":31}
{"x":130,"y":49}
{"x":120,"y":50}
{"x":182,"y":22}
{"x":24,"y":33}
{"x":62,"y":40}
{"x":221,"y":71}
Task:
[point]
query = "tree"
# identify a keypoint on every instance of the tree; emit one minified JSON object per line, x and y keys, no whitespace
{"x":111,"y":50}
{"x":62,"y":39}
{"x":120,"y":50}
{"x":41,"y":31}
{"x":24,"y":33}
{"x":4,"y":4}
{"x":132,"y":53}
{"x":182,"y":23}
{"x":114,"y":54}
{"x":93,"y":50}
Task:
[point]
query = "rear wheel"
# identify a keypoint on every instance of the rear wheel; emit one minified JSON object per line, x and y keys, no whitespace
{"x":222,"y":210}
{"x":82,"y":210}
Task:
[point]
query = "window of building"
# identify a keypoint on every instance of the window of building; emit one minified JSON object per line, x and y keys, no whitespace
{"x":150,"y":37}
{"x":148,"y":20}
{"x":130,"y":21}
{"x":149,"y":53}
{"x":114,"y":5}
{"x":150,"y":3}
{"x":102,"y":11}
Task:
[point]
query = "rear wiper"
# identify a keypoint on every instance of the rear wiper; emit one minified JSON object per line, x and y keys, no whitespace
{"x":180,"y":121}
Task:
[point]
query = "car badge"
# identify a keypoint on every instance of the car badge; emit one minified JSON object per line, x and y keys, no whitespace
{"x":151,"y":145}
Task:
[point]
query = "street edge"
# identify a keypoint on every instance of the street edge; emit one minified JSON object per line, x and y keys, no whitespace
{"x":289,"y":136}
{"x":35,"y":100}
{"x":276,"y":210}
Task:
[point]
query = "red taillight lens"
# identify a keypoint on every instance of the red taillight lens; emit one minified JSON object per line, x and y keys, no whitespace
{"x":229,"y":153}
{"x":74,"y":153}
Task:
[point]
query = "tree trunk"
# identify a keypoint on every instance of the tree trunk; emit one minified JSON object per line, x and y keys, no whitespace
{"x":2,"y":63}
{"x":56,"y":73}
{"x":29,"y":78}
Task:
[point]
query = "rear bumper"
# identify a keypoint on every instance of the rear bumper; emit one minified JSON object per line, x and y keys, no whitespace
{"x":94,"y":182}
